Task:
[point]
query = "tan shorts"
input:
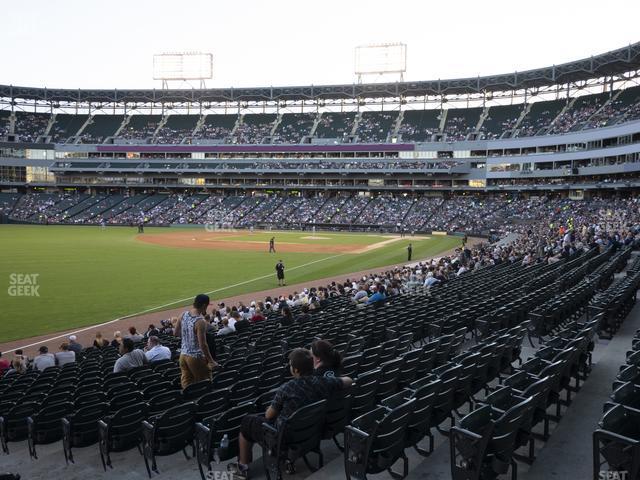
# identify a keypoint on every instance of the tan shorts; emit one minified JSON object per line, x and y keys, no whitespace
{"x":193,"y":369}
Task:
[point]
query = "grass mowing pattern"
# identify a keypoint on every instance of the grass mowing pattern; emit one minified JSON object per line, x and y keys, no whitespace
{"x":88,"y":276}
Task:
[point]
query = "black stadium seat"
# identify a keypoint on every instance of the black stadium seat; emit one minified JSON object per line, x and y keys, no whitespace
{"x":168,"y":433}
{"x":375,"y":441}
{"x":295,"y":437}
{"x":80,"y":429}
{"x":121,"y":431}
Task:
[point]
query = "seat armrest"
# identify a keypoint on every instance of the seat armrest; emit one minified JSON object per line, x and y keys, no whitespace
{"x":367,"y":421}
{"x":148,"y":431}
{"x":204,"y":450}
{"x":270,"y":438}
{"x":356,"y":444}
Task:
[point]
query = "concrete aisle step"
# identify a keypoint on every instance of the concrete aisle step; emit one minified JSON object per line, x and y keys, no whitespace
{"x":568,"y":453}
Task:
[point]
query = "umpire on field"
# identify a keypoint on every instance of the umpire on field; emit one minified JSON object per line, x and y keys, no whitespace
{"x":280,"y":273}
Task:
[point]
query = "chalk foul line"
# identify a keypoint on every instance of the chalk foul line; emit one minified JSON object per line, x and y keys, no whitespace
{"x":159,"y":307}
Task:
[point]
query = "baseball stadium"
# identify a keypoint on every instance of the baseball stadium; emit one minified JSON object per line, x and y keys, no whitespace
{"x":385,"y":279}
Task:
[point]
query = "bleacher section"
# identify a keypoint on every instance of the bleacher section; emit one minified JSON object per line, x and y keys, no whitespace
{"x":30,"y":126}
{"x":293,"y":127}
{"x":262,"y":211}
{"x":349,"y":212}
{"x":139,"y":211}
{"x":421,"y":212}
{"x":8,"y":202}
{"x":625,"y":108}
{"x":254,"y":128}
{"x":335,"y":125}
{"x":500,"y":120}
{"x":140,"y":127}
{"x":220,"y":208}
{"x":461,"y":122}
{"x":101,"y":127}
{"x":177,"y":128}
{"x":66,"y":126}
{"x":216,"y":127}
{"x":578,"y":114}
{"x":4,"y":122}
{"x":539,"y":118}
{"x":385,"y":211}
{"x":376,"y":127}
{"x":419,"y":125}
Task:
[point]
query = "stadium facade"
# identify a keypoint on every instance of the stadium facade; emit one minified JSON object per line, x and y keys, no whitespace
{"x":571,"y":129}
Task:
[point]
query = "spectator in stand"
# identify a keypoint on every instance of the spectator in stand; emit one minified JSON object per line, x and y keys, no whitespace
{"x":196,"y":362}
{"x":257,"y":315}
{"x":430,"y":280}
{"x":226,"y":328}
{"x":361,"y":295}
{"x":44,"y":359}
{"x":134,"y":335}
{"x":242,"y":325}
{"x":155,"y":351}
{"x":5,"y":365}
{"x":99,"y":341}
{"x":234,"y":317}
{"x":151,"y":331}
{"x":287,"y":316}
{"x":166,"y":327}
{"x":379,"y":295}
{"x":65,"y":355}
{"x":304,"y":389}
{"x":74,"y":346}
{"x":117,"y":339}
{"x":20,"y":363}
{"x":304,"y":317}
{"x":130,"y":357}
{"x":327,"y":361}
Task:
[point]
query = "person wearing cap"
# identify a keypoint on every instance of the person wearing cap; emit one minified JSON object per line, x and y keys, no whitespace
{"x":280,"y":273}
{"x":196,"y":361}
{"x":74,"y":346}
{"x":44,"y":359}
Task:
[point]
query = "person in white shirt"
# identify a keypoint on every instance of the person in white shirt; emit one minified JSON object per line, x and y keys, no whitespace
{"x":226,"y":328}
{"x":430,"y":280}
{"x":156,"y":351}
{"x":233,"y":318}
{"x":65,"y":355}
{"x":44,"y":360}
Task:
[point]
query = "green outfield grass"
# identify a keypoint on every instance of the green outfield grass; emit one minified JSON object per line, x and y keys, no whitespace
{"x":87,"y":276}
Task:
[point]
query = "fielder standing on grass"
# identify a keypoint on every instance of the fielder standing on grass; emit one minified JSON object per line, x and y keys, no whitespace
{"x":272,"y":245}
{"x":409,"y":252}
{"x":280,"y":273}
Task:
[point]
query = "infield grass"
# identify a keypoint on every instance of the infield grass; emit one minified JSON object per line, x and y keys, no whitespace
{"x":86,"y":275}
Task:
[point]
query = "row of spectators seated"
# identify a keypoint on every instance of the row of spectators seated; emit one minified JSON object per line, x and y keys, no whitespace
{"x":464,"y":213}
{"x":503,"y":121}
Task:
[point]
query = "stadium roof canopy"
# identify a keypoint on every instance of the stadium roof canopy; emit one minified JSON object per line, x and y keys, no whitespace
{"x":611,"y":63}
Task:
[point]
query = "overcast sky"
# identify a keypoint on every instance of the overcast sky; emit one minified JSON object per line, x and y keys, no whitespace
{"x":110,"y":44}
